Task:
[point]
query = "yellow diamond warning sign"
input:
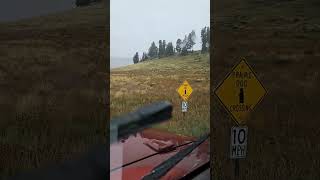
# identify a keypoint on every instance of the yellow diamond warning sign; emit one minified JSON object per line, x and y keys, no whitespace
{"x":240,"y":92}
{"x":185,"y":90}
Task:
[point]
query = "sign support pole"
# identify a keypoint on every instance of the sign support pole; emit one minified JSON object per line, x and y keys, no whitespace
{"x":183,"y":114}
{"x":236,"y":168}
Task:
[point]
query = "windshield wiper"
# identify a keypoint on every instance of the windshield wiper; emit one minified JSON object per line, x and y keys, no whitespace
{"x":164,"y":167}
{"x":133,"y":122}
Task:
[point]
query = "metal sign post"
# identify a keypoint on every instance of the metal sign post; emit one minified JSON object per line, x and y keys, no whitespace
{"x":236,"y":168}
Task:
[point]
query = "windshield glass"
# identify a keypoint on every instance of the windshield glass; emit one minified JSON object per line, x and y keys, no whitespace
{"x":159,"y":51}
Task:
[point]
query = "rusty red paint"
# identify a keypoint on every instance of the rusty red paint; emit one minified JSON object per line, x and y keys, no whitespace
{"x":150,"y":142}
{"x":160,"y":146}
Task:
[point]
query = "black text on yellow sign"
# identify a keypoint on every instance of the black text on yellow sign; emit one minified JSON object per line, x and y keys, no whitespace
{"x":240,"y":91}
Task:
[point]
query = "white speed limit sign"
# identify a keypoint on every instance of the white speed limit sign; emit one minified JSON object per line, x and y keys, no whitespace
{"x":238,"y":146}
{"x":184,"y":106}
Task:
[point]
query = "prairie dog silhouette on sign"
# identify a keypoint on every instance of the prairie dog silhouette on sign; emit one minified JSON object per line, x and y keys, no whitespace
{"x":241,"y":96}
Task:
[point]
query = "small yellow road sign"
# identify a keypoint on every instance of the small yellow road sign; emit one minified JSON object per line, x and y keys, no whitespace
{"x":240,"y":91}
{"x":185,"y":90}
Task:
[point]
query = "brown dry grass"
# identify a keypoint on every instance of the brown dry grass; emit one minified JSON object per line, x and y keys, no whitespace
{"x":280,"y":40}
{"x":53,"y":87}
{"x":155,"y":80}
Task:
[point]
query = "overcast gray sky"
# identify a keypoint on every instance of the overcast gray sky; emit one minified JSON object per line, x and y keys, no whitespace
{"x":134,"y":24}
{"x":11,"y":10}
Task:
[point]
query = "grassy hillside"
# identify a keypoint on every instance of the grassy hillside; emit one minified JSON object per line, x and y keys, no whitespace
{"x":280,"y":39}
{"x":136,"y":85}
{"x":52,"y":99}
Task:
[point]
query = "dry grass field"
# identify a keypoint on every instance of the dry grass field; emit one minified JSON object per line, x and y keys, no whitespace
{"x":136,"y":85}
{"x":52,"y":88}
{"x":280,"y":40}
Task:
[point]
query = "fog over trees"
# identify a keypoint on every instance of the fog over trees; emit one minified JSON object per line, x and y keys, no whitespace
{"x":181,"y":48}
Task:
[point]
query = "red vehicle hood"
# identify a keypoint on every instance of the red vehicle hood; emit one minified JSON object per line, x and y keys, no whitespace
{"x":136,"y":156}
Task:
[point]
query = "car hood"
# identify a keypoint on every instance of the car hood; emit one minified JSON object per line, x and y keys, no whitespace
{"x":135,"y":156}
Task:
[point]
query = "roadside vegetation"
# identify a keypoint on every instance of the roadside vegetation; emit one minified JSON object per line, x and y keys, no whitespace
{"x":136,"y":85}
{"x":52,"y":99}
{"x":281,"y":42}
{"x":158,"y":74}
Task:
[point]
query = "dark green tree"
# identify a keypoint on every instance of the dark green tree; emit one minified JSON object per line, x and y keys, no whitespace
{"x":164,"y":48}
{"x":178,"y":45}
{"x":169,"y":49}
{"x":161,"y":50}
{"x":204,"y":40}
{"x":136,"y":58}
{"x":184,"y":49}
{"x":153,"y":51}
{"x":145,"y":56}
{"x":191,"y":40}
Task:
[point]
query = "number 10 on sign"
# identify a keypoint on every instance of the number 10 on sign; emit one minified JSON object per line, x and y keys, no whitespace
{"x":238,"y":145}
